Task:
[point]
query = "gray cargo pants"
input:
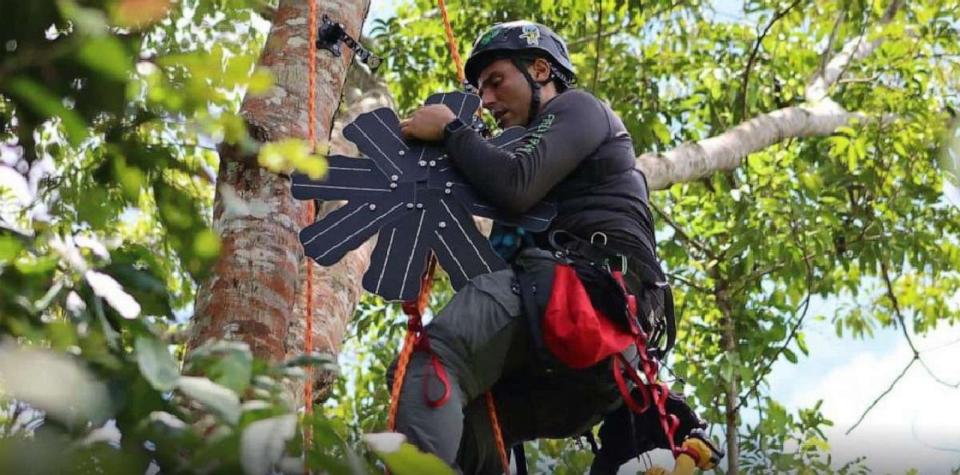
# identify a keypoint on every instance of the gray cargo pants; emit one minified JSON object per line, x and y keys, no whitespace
{"x":483,"y":340}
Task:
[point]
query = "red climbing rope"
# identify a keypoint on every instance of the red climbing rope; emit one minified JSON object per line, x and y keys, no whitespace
{"x":415,"y":335}
{"x":653,"y":391}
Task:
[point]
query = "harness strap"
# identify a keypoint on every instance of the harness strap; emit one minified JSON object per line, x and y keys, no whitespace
{"x":534,"y":88}
{"x":520,"y":457}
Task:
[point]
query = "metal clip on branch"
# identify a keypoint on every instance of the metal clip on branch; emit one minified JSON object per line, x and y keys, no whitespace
{"x":329,"y":36}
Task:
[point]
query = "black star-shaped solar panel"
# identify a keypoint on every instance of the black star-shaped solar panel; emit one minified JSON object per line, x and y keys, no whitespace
{"x":411,"y":194}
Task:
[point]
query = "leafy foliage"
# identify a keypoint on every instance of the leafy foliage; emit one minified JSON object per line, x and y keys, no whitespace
{"x":111,"y":110}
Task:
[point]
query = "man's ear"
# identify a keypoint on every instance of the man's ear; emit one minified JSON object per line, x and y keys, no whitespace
{"x":540,"y":70}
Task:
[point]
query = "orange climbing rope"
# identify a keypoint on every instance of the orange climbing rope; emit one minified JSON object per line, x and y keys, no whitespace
{"x":416,"y":336}
{"x":451,"y":42}
{"x":310,"y":211}
{"x":497,"y":432}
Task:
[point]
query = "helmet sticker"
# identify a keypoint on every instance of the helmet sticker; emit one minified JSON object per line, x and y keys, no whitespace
{"x":532,"y":34}
{"x":488,"y":37}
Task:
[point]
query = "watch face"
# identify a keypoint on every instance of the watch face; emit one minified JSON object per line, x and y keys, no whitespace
{"x":453,"y":126}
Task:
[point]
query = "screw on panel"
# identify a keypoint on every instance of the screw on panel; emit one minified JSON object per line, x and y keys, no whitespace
{"x":433,"y":163}
{"x":422,"y":163}
{"x":393,"y":186}
{"x":373,"y":207}
{"x":448,"y":191}
{"x":419,"y":205}
{"x":409,"y":205}
{"x":401,"y":153}
{"x":394,"y":178}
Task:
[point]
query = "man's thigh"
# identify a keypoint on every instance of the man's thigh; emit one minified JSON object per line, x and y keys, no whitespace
{"x":480,"y":331}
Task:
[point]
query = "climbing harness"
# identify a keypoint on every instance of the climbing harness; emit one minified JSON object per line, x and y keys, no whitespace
{"x":573,"y":320}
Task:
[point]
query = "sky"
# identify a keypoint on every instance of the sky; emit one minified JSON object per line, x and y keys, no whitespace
{"x":916,"y":425}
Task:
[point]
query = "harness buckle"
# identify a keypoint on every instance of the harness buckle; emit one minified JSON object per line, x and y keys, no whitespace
{"x":595,"y":239}
{"x":595,"y":235}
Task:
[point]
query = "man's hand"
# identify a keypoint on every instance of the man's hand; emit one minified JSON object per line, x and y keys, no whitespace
{"x":427,"y":123}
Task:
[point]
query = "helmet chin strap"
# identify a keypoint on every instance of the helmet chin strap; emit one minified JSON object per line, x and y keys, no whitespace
{"x":535,"y":88}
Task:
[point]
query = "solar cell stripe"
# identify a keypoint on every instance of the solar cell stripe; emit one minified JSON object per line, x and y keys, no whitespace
{"x":413,"y":252}
{"x":466,"y":236}
{"x":383,"y":270}
{"x":358,"y":231}
{"x":390,"y":129}
{"x":385,"y":156}
{"x":334,"y":187}
{"x":452,"y":255}
{"x":334,"y":225}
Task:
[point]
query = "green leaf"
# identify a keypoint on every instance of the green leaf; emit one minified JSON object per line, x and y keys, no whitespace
{"x":661,"y":131}
{"x":220,"y":400}
{"x":802,"y":343}
{"x":155,"y":363}
{"x":403,"y":458}
{"x":106,"y":55}
{"x":263,"y":442}
{"x":36,"y":265}
{"x":790,"y":355}
{"x":47,"y":105}
{"x":10,"y":247}
{"x":901,"y":150}
{"x":233,"y":370}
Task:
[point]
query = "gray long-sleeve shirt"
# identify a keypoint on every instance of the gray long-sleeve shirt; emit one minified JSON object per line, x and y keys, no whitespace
{"x":576,"y":153}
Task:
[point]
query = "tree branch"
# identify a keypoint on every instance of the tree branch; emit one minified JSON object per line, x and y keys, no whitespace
{"x":854,"y":50}
{"x":793,"y":332}
{"x":683,"y":235}
{"x":724,"y":152}
{"x":875,"y":401}
{"x":903,"y":326}
{"x":819,"y":117}
{"x":687,"y":283}
{"x":742,"y":96}
{"x":825,"y":56}
{"x":916,"y":354}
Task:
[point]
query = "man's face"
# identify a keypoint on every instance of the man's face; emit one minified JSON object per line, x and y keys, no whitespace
{"x":505,"y":93}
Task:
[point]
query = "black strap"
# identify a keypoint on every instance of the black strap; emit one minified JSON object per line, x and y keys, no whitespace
{"x":671,"y":320}
{"x":520,"y":459}
{"x":521,"y":64}
{"x":528,"y":288}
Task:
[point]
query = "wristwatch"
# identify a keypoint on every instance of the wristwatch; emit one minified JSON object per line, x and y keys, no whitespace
{"x":454,"y":125}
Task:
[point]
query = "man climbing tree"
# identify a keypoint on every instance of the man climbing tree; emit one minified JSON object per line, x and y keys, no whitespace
{"x":576,"y":153}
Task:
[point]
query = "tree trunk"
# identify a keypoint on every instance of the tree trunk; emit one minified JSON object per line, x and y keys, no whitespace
{"x":251,"y":292}
{"x":728,"y":341}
